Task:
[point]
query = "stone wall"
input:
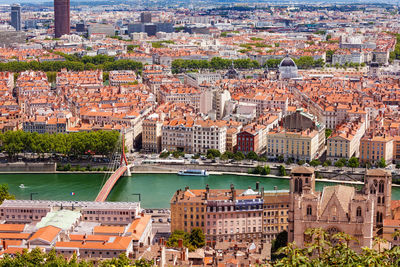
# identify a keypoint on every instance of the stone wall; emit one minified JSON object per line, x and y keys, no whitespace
{"x":21,"y":167}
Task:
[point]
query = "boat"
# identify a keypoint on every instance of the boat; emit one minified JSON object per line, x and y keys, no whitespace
{"x":193,"y":173}
{"x":22,"y":186}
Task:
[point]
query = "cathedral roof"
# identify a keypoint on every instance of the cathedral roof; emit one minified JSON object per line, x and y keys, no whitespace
{"x":302,"y":169}
{"x":377,"y":172}
{"x":343,"y":193}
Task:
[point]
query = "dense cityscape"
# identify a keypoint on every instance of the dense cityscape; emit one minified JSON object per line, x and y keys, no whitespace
{"x":199,"y":133}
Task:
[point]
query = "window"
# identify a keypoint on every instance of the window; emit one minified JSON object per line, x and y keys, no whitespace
{"x":381,"y":186}
{"x":358,"y":213}
{"x":309,"y":210}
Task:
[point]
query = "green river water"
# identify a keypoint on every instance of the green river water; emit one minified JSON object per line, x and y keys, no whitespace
{"x":156,"y":189}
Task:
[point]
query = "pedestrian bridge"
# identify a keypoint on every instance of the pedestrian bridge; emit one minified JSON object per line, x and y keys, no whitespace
{"x":123,"y":170}
{"x":108,"y":186}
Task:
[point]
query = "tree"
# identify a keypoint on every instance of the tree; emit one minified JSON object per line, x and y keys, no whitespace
{"x":238,"y":156}
{"x":266,"y":170}
{"x":280,"y":158}
{"x":197,"y":238}
{"x":252,"y":155}
{"x":214,"y":152}
{"x":301,"y":162}
{"x":257,"y":170}
{"x":341,"y":163}
{"x":282,"y":170}
{"x":381,"y":163}
{"x":353,"y":163}
{"x":327,"y":163}
{"x":328,"y":133}
{"x":280,"y":241}
{"x":4,"y":193}
{"x":315,"y":163}
{"x":228,"y":155}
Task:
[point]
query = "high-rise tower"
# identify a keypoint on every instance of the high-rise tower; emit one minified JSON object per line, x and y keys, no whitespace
{"x":61,"y":18}
{"x":16,"y":17}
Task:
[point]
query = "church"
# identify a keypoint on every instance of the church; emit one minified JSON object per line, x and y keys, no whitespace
{"x":339,"y":208}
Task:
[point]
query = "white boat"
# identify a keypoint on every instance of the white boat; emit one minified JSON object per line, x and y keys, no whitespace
{"x":22,"y":186}
{"x":193,"y":173}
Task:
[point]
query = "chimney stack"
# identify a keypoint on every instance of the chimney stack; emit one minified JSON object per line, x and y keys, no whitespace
{"x":233,"y":191}
{"x":180,"y":243}
{"x":257,"y":186}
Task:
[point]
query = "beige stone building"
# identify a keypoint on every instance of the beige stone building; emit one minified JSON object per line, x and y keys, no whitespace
{"x":345,"y":141}
{"x":276,"y":210}
{"x":208,"y":134}
{"x":299,"y":137}
{"x":298,"y":145}
{"x":374,"y":148}
{"x":177,"y":134}
{"x":339,"y":208}
{"x":151,"y":134}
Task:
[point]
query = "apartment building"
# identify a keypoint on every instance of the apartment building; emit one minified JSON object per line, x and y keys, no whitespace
{"x":235,"y":214}
{"x":275,"y":214}
{"x":179,"y":94}
{"x":208,"y":134}
{"x":345,"y":141}
{"x":41,"y":125}
{"x":396,"y":149}
{"x":296,"y":145}
{"x":177,"y":134}
{"x":151,"y":134}
{"x":346,"y":56}
{"x":264,"y":101}
{"x":118,"y":77}
{"x":27,"y":211}
{"x":300,"y":137}
{"x":224,"y":215}
{"x":374,"y":148}
{"x":196,"y":79}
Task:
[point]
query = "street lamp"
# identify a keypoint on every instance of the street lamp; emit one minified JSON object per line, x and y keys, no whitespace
{"x":137,"y":194}
{"x":33,"y":194}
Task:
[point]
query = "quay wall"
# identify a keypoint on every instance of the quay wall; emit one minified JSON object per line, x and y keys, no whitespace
{"x":28,"y":167}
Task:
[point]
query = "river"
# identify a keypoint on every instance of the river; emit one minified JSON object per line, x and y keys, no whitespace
{"x":156,"y":189}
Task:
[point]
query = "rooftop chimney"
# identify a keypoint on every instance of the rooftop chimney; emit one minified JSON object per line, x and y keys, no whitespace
{"x":257,"y":185}
{"x":180,"y":243}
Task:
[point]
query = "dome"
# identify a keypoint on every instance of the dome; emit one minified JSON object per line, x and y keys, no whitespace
{"x":287,"y":62}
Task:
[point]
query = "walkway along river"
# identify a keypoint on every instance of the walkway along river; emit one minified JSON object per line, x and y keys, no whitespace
{"x":156,"y":189}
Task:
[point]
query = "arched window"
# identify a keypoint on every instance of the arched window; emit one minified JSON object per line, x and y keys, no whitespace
{"x":372,"y":189}
{"x":296,"y":185}
{"x":358,"y":213}
{"x":383,"y":200}
{"x":379,"y":200}
{"x":379,"y":217}
{"x":381,"y":186}
{"x":309,"y":210}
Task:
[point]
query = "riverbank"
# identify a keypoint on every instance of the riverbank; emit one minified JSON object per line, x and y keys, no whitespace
{"x":156,"y":190}
{"x":324,"y":180}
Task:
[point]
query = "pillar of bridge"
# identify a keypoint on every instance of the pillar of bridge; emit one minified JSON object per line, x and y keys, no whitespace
{"x":128,"y":171}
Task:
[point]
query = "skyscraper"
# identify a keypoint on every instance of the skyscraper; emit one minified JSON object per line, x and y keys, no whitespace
{"x":145,"y":17}
{"x":16,"y":16}
{"x":61,"y":18}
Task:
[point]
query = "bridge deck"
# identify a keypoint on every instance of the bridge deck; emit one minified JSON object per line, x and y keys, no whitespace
{"x":106,"y":189}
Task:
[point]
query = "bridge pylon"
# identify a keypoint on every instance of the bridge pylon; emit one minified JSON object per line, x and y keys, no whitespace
{"x":124,"y":160}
